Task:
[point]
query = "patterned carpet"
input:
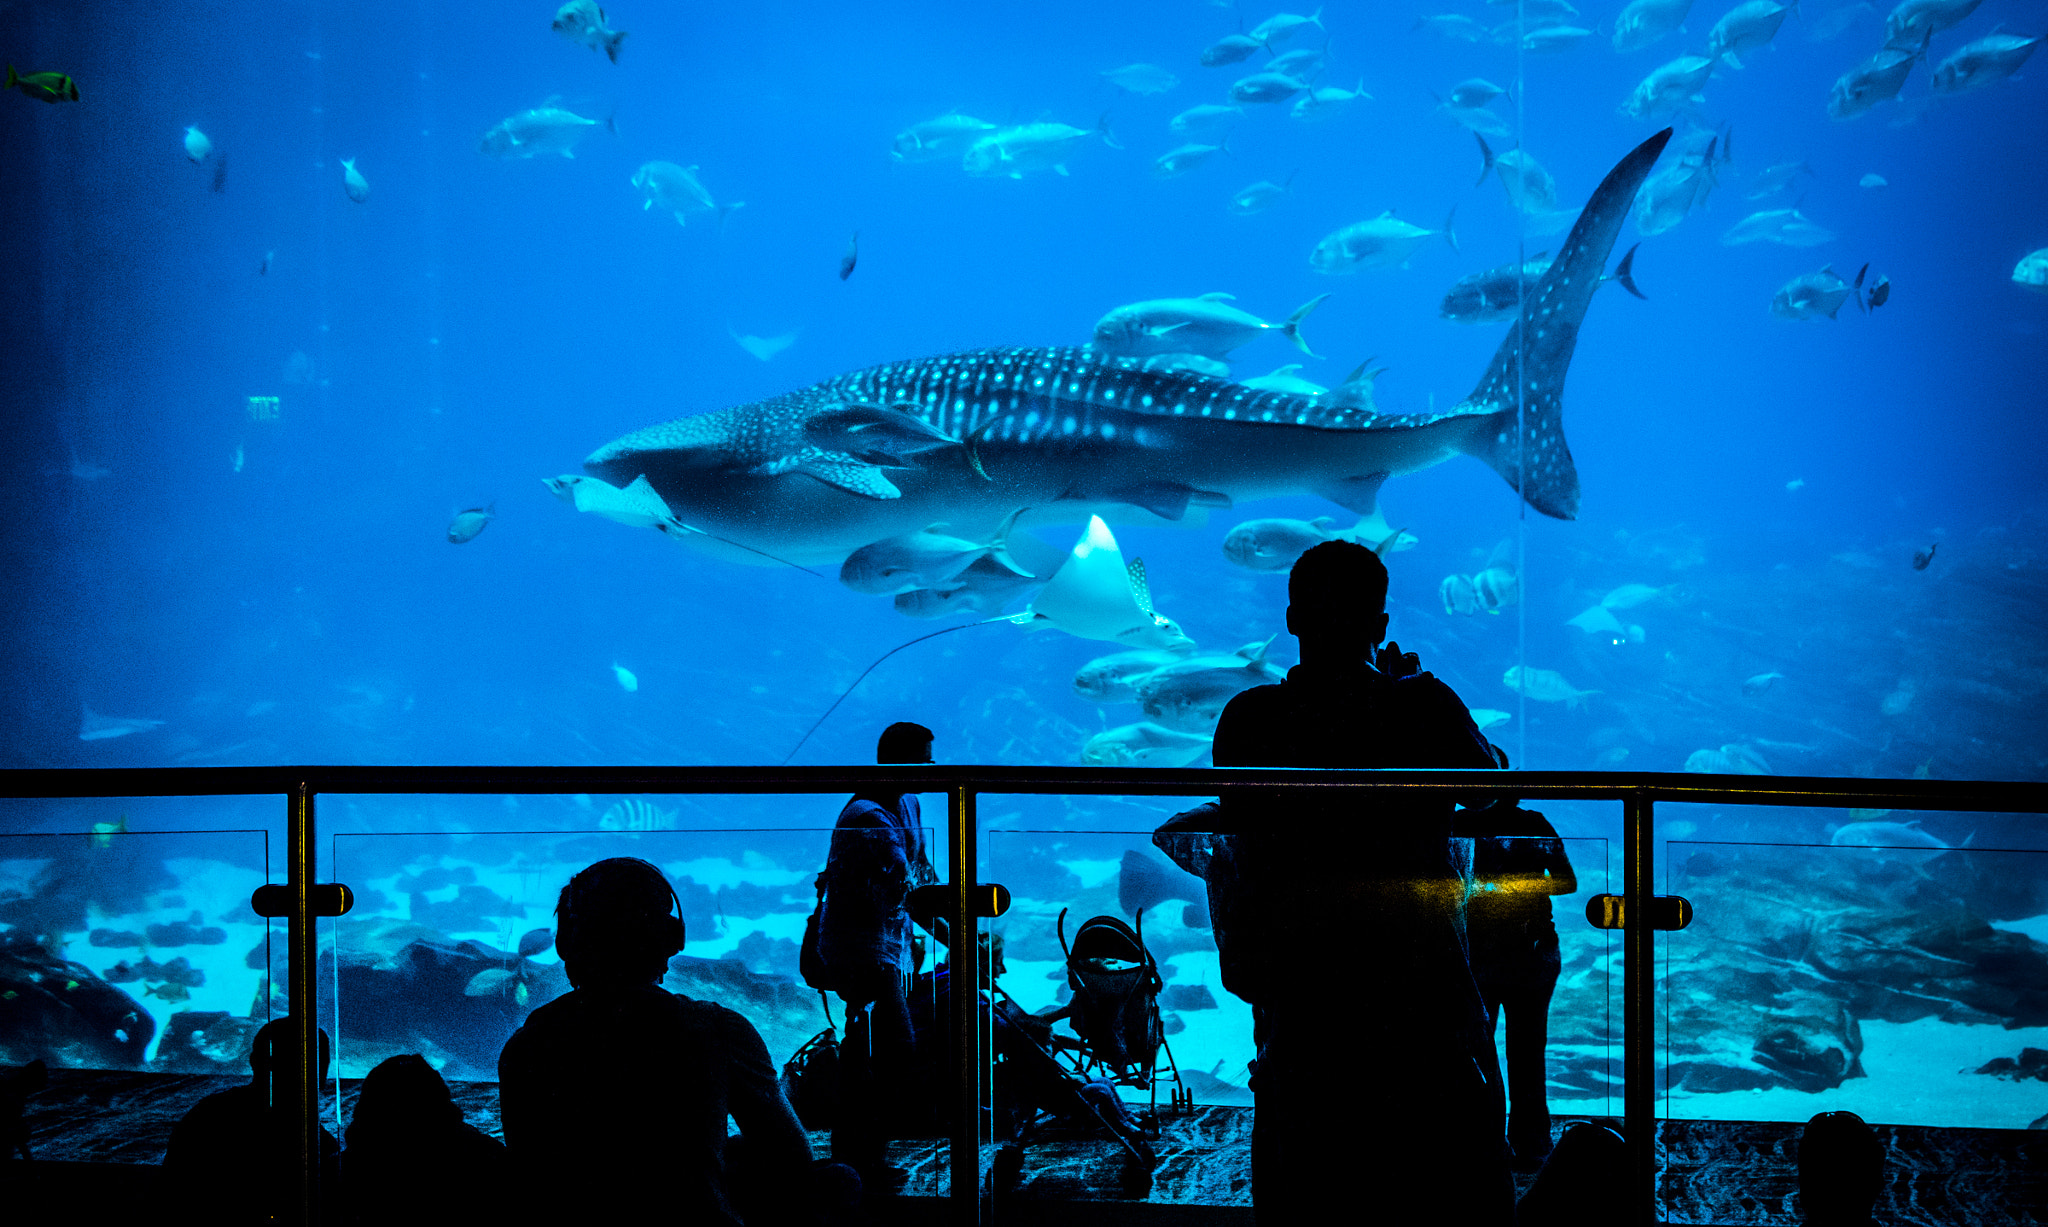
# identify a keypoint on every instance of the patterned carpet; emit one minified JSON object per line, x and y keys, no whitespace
{"x":1715,"y":1172}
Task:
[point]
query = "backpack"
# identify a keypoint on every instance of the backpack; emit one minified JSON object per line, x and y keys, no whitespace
{"x":809,"y":963}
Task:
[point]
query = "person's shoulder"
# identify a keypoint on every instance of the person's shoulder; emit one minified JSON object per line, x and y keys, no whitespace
{"x":1250,"y":704}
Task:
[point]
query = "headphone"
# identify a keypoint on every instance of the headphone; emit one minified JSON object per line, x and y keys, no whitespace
{"x":661,"y":935}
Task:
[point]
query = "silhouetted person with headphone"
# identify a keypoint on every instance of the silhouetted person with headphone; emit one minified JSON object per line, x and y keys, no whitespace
{"x":234,"y":1158}
{"x":877,"y":857}
{"x":1338,"y":917}
{"x":1841,"y":1171}
{"x":615,"y":1095}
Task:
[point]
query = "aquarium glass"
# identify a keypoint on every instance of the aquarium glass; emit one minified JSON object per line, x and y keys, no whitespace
{"x":1877,"y":970}
{"x":131,"y":951}
{"x":333,"y":407}
{"x":451,"y":942}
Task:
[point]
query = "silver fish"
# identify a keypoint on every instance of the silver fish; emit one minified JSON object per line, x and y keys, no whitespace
{"x":1991,"y":58}
{"x":581,"y":21}
{"x":1260,"y":196}
{"x":1787,"y":226}
{"x":544,"y":129}
{"x":467,"y":524}
{"x":1207,"y":325}
{"x":943,"y":138}
{"x":1815,"y":296}
{"x":1230,"y":49}
{"x":1266,"y":87}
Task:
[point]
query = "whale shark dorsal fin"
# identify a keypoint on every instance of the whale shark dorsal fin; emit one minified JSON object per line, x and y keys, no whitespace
{"x":1216,"y":296}
{"x":853,"y":476}
{"x":1141,"y":592}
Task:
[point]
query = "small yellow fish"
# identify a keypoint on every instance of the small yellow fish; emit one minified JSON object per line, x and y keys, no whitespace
{"x":103,"y":832}
{"x":44,"y":86}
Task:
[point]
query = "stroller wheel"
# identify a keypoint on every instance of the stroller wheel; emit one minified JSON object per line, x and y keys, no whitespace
{"x":1136,"y":1178}
{"x":1007,"y":1167}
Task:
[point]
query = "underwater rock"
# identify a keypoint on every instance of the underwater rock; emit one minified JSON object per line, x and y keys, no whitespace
{"x":2032,"y":1063}
{"x":782,"y":1008}
{"x":205,"y":1042}
{"x":419,"y":996}
{"x":1792,"y":948}
{"x":59,"y":1012}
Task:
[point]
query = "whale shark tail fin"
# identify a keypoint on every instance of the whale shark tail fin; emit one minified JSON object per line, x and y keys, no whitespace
{"x":1527,"y":448}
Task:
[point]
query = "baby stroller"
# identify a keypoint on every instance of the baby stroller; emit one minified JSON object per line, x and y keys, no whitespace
{"x":1114,"y":1012}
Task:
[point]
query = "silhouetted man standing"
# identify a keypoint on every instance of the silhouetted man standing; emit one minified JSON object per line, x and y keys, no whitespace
{"x":1338,"y":918}
{"x":864,"y":943}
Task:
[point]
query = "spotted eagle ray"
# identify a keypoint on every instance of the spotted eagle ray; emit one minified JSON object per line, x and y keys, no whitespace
{"x":968,"y":438}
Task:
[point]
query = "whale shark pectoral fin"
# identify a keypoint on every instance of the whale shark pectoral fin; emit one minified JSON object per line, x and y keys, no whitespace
{"x":1530,"y":453}
{"x":851,"y":475}
{"x":1360,"y":493}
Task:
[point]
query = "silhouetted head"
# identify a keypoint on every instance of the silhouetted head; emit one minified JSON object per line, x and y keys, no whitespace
{"x":1585,"y":1180}
{"x":904,"y":742}
{"x":1841,"y":1169}
{"x":1337,"y":598}
{"x":274,"y":1042}
{"x":613,"y":924}
{"x":402,"y":1098}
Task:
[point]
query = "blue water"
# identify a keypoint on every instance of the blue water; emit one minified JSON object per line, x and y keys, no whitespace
{"x":282,"y":590}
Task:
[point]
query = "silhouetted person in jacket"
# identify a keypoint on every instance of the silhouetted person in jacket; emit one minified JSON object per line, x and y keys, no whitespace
{"x":615,"y":1095}
{"x":412,"y":1159}
{"x":234,"y":1158}
{"x":1338,"y":917}
{"x":1841,"y":1171}
{"x":877,"y":858}
{"x":1518,"y":863}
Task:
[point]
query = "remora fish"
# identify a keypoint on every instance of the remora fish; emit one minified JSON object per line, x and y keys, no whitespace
{"x":1068,"y":432}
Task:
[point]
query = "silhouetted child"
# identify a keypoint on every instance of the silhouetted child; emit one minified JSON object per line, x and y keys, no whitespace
{"x":234,"y":1158}
{"x":615,"y":1095}
{"x":1585,"y":1180}
{"x":877,"y":858}
{"x":1841,"y":1171}
{"x":412,"y":1159}
{"x":1518,"y":864}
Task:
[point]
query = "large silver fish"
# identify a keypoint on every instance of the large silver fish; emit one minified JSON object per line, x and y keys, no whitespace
{"x":1069,"y":433}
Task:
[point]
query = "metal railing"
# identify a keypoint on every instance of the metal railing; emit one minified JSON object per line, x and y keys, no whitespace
{"x":1638,"y":792}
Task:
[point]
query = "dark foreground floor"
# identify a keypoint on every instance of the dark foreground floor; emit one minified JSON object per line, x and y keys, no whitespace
{"x":104,"y":1132}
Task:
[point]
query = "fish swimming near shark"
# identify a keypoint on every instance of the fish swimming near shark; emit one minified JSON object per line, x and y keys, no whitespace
{"x":1071,"y":433}
{"x":94,"y":727}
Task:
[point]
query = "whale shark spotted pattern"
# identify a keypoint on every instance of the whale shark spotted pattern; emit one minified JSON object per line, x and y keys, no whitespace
{"x":1068,"y":432}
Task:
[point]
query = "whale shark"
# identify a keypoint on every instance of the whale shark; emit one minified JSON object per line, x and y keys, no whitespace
{"x":1070,"y":432}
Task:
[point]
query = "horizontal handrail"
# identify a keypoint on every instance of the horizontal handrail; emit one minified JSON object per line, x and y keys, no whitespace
{"x":1677,"y":787}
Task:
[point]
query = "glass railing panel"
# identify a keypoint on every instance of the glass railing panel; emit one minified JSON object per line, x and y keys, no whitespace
{"x":1076,"y":1007}
{"x":1886,"y":964}
{"x":131,"y":965}
{"x":451,"y":945}
{"x":1566,"y":989}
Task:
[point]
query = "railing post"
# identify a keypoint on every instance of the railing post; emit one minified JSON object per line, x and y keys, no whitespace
{"x":302,"y":948}
{"x":965,"y":957}
{"x":1639,"y":1005}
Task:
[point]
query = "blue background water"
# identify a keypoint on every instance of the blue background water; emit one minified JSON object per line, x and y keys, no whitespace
{"x":479,"y":325}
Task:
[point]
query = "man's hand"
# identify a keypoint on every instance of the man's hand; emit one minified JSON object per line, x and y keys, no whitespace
{"x":1394,"y":663}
